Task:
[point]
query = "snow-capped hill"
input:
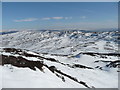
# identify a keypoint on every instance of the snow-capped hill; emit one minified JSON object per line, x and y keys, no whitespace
{"x":84,"y":70}
{"x":62,"y":42}
{"x":60,"y":59}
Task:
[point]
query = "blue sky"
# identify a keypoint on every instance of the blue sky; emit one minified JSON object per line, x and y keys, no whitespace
{"x":0,"y":16}
{"x":59,"y":15}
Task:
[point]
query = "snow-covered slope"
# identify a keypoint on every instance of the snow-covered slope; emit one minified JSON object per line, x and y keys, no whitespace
{"x":60,"y":59}
{"x":62,"y":42}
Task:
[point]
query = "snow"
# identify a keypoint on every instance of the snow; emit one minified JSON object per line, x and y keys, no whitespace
{"x":65,"y":48}
{"x":51,"y":42}
{"x":29,"y":52}
{"x":94,"y":77}
{"x":31,"y":58}
{"x":0,"y":77}
{"x":26,"y":78}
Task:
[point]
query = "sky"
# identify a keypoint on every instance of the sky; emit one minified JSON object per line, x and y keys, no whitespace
{"x":0,"y":16}
{"x":59,"y":15}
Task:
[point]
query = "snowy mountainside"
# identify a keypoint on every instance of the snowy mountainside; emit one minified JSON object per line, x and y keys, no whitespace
{"x":60,"y":59}
{"x":62,"y":42}
{"x":41,"y":71}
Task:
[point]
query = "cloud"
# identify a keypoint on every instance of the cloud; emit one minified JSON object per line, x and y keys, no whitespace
{"x":47,"y":18}
{"x":83,"y":17}
{"x":57,"y":18}
{"x":68,"y":17}
{"x":26,"y":20}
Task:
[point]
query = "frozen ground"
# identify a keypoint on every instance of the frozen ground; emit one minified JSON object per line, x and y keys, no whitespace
{"x":60,"y":59}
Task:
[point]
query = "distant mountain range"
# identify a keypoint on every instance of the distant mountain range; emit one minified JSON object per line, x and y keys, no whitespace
{"x":7,"y":32}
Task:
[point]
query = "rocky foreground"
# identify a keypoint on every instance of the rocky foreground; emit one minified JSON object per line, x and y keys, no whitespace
{"x":26,"y":69}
